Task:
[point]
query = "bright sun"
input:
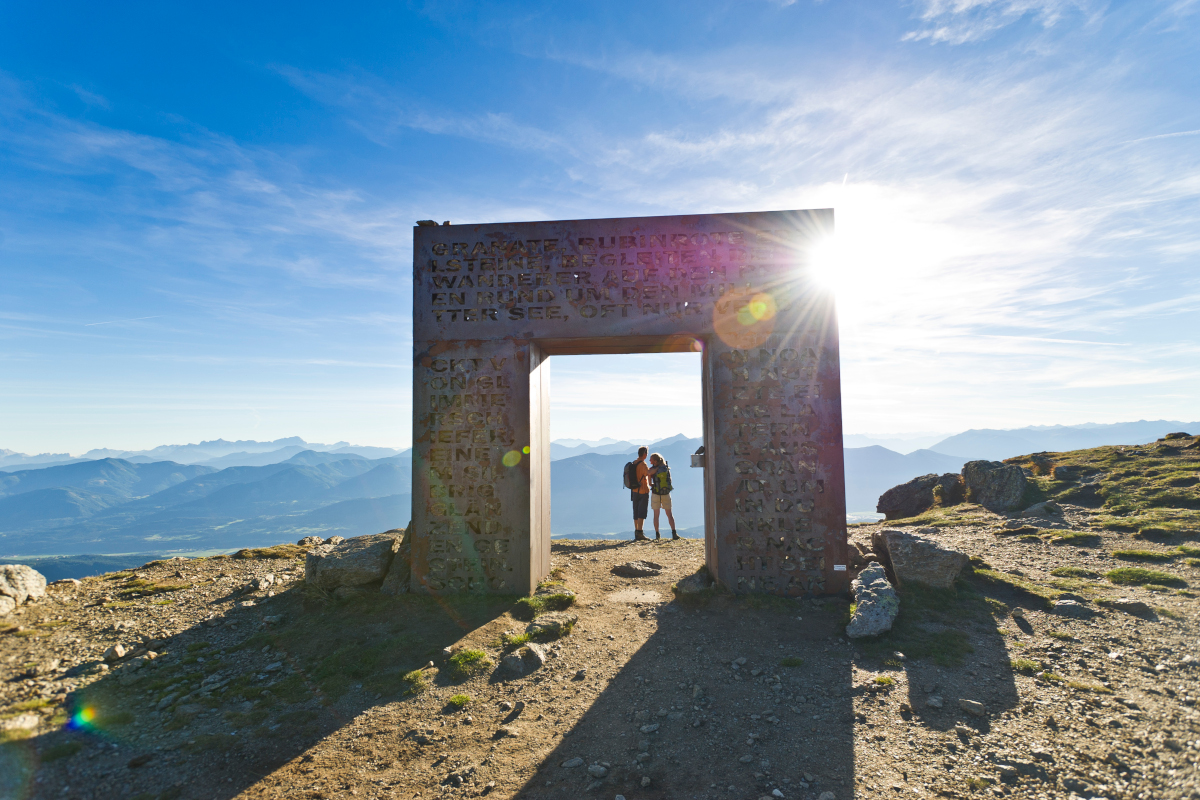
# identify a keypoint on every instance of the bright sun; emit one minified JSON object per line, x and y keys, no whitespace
{"x":827,"y":264}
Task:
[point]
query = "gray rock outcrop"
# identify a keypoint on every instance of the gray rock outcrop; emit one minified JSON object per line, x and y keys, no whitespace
{"x":1049,"y":508}
{"x":19,"y":584}
{"x":523,"y":661}
{"x":637,"y":569}
{"x":552,"y":626}
{"x":694,"y":583}
{"x":1129,"y":605}
{"x":1071,"y":608}
{"x":353,"y":562}
{"x":876,"y":603}
{"x":995,"y":486}
{"x":920,"y":494}
{"x":399,"y":575}
{"x":916,"y":559}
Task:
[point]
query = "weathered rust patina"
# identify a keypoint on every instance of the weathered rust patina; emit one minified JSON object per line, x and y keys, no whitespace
{"x":491,"y":303}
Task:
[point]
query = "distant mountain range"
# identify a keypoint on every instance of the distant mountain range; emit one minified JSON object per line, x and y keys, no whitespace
{"x":227,"y":495}
{"x":569,"y":448}
{"x":217,"y":453}
{"x":995,"y":445}
{"x":587,"y":494}
{"x":113,"y":505}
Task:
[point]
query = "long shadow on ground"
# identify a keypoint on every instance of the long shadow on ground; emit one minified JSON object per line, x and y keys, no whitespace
{"x":237,"y":696}
{"x":680,"y":720}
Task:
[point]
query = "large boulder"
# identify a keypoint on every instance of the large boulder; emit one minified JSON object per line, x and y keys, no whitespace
{"x":875,"y":603}
{"x":995,"y":486}
{"x":353,"y":562}
{"x":920,"y":494}
{"x":916,"y":559}
{"x":399,"y":574}
{"x":20,"y":584}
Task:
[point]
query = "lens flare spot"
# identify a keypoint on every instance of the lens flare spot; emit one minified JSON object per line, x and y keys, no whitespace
{"x":525,"y":449}
{"x":512,"y":458}
{"x":761,"y":307}
{"x":83,"y":718}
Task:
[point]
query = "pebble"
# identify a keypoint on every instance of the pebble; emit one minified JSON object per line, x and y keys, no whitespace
{"x":746,"y":759}
{"x":597,"y":771}
{"x":934,"y":702}
{"x":827,"y":796}
{"x":645,"y":781}
{"x":971,"y":707}
{"x":649,"y":728}
{"x":571,"y":763}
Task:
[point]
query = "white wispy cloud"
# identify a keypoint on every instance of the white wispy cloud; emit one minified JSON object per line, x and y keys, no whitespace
{"x":995,"y":214}
{"x":962,"y":21}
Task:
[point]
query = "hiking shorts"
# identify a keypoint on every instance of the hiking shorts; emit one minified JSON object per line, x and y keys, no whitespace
{"x":640,"y":502}
{"x":658,"y":501}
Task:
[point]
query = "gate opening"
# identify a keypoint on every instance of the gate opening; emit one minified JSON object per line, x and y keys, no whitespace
{"x":603,"y":407}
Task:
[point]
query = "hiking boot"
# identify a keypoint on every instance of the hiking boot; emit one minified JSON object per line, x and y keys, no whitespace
{"x":656,"y":536}
{"x":674,"y":535}
{"x":638,"y":536}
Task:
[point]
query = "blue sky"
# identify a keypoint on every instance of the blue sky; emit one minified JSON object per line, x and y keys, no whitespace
{"x":206,"y":211}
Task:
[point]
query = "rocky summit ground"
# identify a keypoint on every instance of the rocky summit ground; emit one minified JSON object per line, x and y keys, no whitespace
{"x":237,"y":687}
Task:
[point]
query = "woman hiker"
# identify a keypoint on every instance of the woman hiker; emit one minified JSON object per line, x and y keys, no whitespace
{"x":660,"y":492}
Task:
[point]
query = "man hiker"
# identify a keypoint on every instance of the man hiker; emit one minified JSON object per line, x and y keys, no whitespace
{"x":660,"y":492}
{"x":640,"y":493}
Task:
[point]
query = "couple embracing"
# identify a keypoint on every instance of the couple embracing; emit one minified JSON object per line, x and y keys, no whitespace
{"x":649,"y":485}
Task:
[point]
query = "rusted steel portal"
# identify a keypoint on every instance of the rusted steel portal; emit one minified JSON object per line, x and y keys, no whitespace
{"x":492,"y":302}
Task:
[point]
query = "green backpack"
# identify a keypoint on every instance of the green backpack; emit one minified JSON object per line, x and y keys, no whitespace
{"x":661,"y":482}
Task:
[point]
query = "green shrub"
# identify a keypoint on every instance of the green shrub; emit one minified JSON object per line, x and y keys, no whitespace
{"x":417,"y":681}
{"x":1088,"y":687}
{"x":1074,"y":538}
{"x":278,"y":551}
{"x":1188,"y":550}
{"x":1144,"y":555}
{"x":466,"y":663}
{"x":515,"y":639}
{"x":1192,"y":562}
{"x":1060,"y":635}
{"x":1074,"y":572}
{"x":1140,"y":576}
{"x":459,"y":700}
{"x":529,"y":607}
{"x":791,"y":661}
{"x":885,"y":680}
{"x":1025,"y":665}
